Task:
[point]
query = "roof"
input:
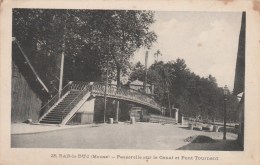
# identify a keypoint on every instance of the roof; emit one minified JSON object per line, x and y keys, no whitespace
{"x":138,"y":83}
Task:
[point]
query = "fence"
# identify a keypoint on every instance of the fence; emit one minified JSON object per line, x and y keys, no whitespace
{"x":206,"y":121}
{"x":125,"y":94}
{"x":161,"y":119}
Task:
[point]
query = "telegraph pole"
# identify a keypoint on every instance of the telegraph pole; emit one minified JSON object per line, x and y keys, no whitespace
{"x":225,"y":112}
{"x":63,"y":54}
{"x":145,"y":81}
{"x":105,"y":95}
{"x":225,"y":119}
{"x":61,"y":72}
{"x":169,"y":103}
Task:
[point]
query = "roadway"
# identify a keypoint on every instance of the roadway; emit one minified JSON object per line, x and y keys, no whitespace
{"x":114,"y":136}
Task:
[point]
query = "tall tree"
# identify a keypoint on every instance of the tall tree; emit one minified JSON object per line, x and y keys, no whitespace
{"x":91,"y":37}
{"x":192,"y":94}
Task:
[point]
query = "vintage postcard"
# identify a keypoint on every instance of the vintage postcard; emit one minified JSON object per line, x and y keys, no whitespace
{"x":130,"y":82}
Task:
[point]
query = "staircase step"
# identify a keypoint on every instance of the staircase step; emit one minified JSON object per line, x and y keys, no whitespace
{"x":56,"y":115}
{"x":60,"y":110}
{"x":47,"y":120}
{"x":60,"y":107}
{"x":50,"y":122}
{"x":53,"y":118}
{"x":69,"y":100}
{"x":64,"y":106}
{"x":63,"y":103}
{"x":56,"y":111}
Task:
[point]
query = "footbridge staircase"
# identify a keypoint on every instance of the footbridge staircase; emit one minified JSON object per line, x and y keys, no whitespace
{"x":62,"y":107}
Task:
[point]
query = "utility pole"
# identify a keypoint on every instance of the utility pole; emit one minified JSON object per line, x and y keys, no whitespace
{"x":225,"y":119}
{"x":169,"y":103}
{"x":105,"y":95}
{"x":225,"y":112}
{"x":145,"y":81}
{"x":62,"y":55}
{"x":117,"y":101}
{"x":61,"y":73}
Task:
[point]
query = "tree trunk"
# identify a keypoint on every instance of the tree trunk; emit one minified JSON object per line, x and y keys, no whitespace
{"x":169,"y":104}
{"x":118,"y":86}
{"x":118,"y":70}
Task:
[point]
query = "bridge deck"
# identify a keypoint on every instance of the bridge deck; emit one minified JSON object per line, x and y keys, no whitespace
{"x":98,"y":89}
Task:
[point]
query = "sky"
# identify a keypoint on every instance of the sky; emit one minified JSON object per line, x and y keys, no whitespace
{"x":207,"y":41}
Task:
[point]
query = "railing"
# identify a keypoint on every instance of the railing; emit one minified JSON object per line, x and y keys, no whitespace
{"x":125,"y":94}
{"x":215,"y":122}
{"x":79,"y":85}
{"x":99,"y":89}
{"x":85,"y":90}
{"x":55,"y":98}
{"x":161,"y":119}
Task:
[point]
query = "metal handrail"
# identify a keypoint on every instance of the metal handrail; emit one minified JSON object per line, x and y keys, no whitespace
{"x":127,"y":88}
{"x":56,"y":97}
{"x":158,"y":118}
{"x":129,"y":94}
{"x":82,"y":93}
{"x":99,"y":89}
{"x":79,"y":85}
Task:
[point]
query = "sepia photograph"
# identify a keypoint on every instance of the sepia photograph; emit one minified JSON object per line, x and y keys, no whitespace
{"x":129,"y":82}
{"x":128,"y":79}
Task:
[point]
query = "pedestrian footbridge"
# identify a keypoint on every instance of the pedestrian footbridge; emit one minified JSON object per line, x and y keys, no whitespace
{"x":76,"y":96}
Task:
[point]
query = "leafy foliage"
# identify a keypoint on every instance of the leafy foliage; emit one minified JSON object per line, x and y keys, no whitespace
{"x":192,"y":94}
{"x":88,"y":38}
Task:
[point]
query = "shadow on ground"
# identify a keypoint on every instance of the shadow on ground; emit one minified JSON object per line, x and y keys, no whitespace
{"x":206,"y":143}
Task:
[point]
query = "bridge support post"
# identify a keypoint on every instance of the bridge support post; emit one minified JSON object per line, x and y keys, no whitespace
{"x":176,"y":115}
{"x":117,"y":111}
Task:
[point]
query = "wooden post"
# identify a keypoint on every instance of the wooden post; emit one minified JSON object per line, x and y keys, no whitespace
{"x":61,"y":73}
{"x":176,"y":115}
{"x":145,"y":81}
{"x":63,"y":54}
{"x":169,"y":104}
{"x":105,"y":95}
{"x":225,"y":120}
{"x":118,"y":86}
